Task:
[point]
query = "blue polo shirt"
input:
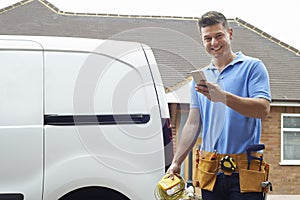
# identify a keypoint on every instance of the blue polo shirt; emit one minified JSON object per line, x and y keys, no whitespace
{"x":224,"y":129}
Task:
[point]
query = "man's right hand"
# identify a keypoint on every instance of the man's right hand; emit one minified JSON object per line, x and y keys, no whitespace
{"x":174,"y":169}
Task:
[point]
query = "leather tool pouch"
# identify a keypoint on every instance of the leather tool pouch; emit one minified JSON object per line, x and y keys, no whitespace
{"x":252,"y":178}
{"x":205,"y":173}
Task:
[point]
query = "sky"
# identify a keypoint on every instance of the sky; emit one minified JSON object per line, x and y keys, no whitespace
{"x":278,"y":18}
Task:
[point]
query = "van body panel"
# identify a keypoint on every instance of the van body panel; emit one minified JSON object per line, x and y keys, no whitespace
{"x":98,"y":161}
{"x":21,"y":118}
{"x":98,"y":83}
{"x":77,"y":84}
{"x":89,"y":113}
{"x":158,"y":81}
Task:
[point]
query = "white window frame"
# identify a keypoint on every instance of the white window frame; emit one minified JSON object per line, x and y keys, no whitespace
{"x":288,"y":162}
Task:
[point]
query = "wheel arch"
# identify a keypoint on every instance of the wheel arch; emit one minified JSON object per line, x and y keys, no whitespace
{"x":93,"y":193}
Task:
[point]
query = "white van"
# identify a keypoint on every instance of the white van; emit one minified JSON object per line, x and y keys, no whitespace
{"x":81,"y":119}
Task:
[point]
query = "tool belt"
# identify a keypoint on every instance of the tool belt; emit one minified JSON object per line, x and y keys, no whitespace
{"x":208,"y":166}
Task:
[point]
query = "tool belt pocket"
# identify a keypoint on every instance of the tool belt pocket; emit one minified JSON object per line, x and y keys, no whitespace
{"x":206,"y":173}
{"x":252,"y":178}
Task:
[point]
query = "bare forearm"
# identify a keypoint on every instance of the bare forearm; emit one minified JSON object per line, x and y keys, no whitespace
{"x":186,"y":143}
{"x":249,"y":107}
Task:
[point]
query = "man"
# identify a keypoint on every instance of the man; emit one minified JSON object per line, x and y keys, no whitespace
{"x":227,"y":108}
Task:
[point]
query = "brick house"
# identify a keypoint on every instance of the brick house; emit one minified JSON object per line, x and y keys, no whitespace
{"x":177,"y":47}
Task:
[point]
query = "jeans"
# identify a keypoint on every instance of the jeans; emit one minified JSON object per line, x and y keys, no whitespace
{"x":228,"y":188}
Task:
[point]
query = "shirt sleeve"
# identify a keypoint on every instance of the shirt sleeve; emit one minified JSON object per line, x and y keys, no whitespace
{"x":259,"y":85}
{"x":194,"y":97}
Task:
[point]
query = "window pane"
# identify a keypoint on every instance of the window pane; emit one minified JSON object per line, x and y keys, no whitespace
{"x":291,"y":122}
{"x":291,"y":148}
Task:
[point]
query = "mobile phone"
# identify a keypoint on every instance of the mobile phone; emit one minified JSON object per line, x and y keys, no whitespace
{"x":198,"y":75}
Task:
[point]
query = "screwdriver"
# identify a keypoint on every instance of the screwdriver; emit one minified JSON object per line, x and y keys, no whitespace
{"x":213,"y":155}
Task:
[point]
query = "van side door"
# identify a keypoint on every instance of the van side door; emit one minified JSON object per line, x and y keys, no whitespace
{"x":21,"y":120}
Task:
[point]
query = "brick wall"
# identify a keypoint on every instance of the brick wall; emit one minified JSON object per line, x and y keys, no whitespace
{"x":285,"y":179}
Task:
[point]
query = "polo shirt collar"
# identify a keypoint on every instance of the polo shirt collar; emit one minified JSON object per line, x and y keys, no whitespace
{"x":240,"y":57}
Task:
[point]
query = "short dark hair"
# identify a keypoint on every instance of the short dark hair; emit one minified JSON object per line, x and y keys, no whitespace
{"x":211,"y":18}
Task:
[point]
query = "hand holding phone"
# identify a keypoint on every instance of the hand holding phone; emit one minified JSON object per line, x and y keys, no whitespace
{"x":198,"y":75}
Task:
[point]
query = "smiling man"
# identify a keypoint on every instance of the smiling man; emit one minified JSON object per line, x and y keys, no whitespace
{"x":227,"y":108}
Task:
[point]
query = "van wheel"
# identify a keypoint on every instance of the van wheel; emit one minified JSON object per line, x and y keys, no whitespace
{"x":94,"y":193}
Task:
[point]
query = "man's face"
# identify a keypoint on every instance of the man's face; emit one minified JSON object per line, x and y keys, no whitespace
{"x":216,"y":40}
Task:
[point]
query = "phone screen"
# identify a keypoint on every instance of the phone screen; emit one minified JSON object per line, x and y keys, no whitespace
{"x":198,"y":75}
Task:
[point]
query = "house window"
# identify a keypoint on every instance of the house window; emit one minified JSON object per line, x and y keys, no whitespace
{"x":290,"y":139}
